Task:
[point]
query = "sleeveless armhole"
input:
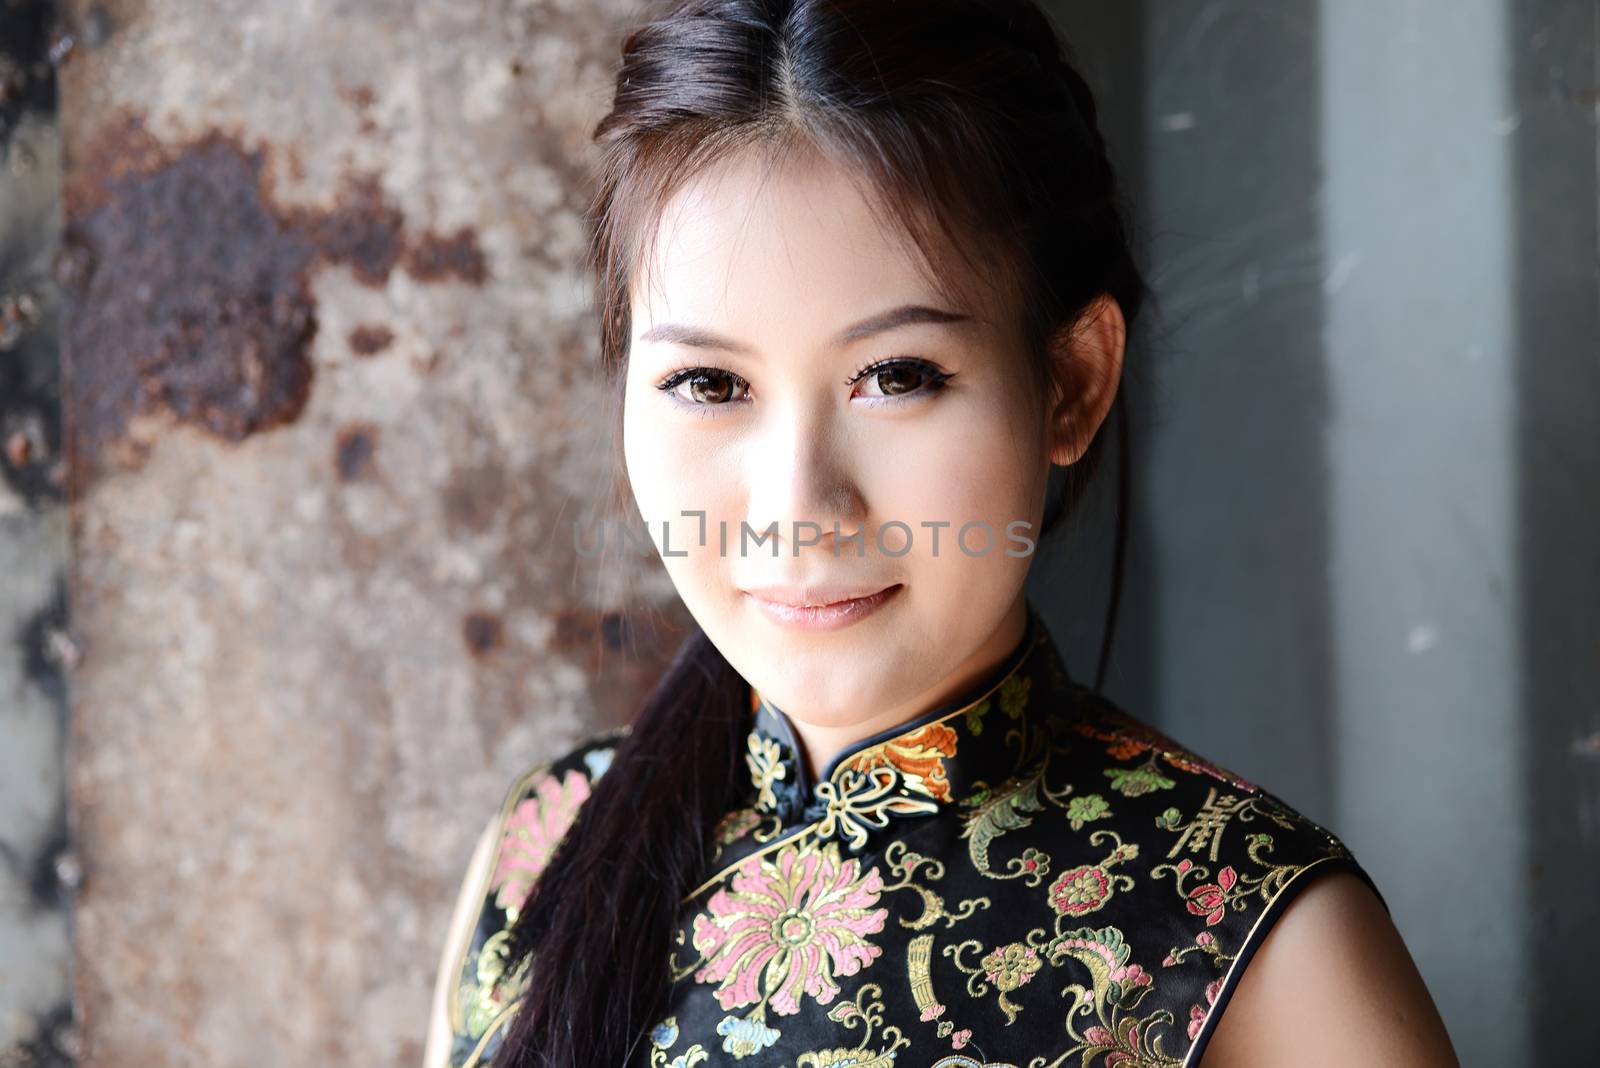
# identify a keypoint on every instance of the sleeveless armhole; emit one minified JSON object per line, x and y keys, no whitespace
{"x":1258,"y":934}
{"x":476,"y":884}
{"x":569,"y":776}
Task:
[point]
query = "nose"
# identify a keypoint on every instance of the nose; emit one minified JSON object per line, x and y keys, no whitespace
{"x":800,"y":476}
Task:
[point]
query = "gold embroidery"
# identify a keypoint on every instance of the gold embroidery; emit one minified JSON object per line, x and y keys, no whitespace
{"x":1212,"y":819}
{"x":1008,"y":968}
{"x":919,"y":960}
{"x":500,"y":1022}
{"x":865,"y":1011}
{"x":766,"y":767}
{"x":905,"y":862}
{"x":858,"y":803}
{"x":1116,"y":987}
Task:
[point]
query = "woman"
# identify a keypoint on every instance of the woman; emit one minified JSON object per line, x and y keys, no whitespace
{"x":863,"y":285}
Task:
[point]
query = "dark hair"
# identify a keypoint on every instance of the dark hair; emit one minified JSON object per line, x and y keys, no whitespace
{"x":977,"y":137}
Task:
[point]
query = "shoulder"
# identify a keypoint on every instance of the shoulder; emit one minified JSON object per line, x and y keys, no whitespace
{"x":538,"y":807}
{"x":1200,"y":812}
{"x":1331,"y":984}
{"x":564,"y":781}
{"x":584,"y":762}
{"x":1209,"y":860}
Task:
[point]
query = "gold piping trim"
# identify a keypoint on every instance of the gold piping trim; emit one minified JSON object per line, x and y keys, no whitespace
{"x":477,"y":1051}
{"x":809,"y":828}
{"x":1228,"y":976}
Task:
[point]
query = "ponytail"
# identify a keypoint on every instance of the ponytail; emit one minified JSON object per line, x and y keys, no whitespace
{"x":596,"y":930}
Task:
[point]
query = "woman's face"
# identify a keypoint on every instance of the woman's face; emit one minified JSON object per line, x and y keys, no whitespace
{"x":903,"y":430}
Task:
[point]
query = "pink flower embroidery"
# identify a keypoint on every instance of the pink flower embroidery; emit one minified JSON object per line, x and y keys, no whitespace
{"x":788,"y":927}
{"x":1197,"y":1013}
{"x":1211,"y":899}
{"x":532,"y":832}
{"x":1009,"y":967}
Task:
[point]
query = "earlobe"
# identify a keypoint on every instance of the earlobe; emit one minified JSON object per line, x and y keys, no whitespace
{"x":1086,"y":366}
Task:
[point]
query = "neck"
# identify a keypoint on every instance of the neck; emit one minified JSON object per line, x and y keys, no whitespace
{"x":820,"y":744}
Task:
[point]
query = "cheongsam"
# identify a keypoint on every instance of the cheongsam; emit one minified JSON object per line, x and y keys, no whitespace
{"x":1025,"y":875}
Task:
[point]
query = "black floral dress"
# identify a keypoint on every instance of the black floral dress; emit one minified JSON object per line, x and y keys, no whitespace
{"x":1025,"y":876}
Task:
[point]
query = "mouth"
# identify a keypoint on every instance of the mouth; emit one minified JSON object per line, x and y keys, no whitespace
{"x":820,"y":608}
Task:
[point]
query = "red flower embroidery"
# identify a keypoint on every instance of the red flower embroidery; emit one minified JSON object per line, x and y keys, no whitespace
{"x":1080,"y":890}
{"x":1211,"y":899}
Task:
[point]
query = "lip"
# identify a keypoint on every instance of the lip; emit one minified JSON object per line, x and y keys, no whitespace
{"x":820,"y":608}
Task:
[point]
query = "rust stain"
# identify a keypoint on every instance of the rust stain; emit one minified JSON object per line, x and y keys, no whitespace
{"x":483,"y":632}
{"x":185,"y":294}
{"x":187,"y":286}
{"x":437,"y":257}
{"x":474,"y":497}
{"x":580,"y":630}
{"x":353,"y":451}
{"x":362,"y":98}
{"x":369,"y":339}
{"x":365,"y":231}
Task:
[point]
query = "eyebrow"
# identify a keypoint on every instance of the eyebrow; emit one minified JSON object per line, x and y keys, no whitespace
{"x":698,"y":338}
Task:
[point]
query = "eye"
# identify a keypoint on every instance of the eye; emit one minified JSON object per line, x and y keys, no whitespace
{"x":899,"y":377}
{"x":706,"y":386}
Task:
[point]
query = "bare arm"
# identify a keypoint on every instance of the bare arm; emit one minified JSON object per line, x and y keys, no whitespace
{"x":1331,"y":984}
{"x":436,"y":1053}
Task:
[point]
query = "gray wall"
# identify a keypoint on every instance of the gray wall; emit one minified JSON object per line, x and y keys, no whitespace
{"x":1366,"y":414}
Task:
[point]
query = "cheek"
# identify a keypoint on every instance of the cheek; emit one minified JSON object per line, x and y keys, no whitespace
{"x":673,"y":470}
{"x":977,"y":469}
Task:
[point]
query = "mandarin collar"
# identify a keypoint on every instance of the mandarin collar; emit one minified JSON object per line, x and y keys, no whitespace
{"x":916,"y":768}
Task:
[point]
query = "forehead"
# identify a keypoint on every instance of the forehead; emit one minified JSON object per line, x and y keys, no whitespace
{"x":778,"y":243}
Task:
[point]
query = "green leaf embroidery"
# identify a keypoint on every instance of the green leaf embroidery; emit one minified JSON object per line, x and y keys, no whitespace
{"x":1006,"y":809}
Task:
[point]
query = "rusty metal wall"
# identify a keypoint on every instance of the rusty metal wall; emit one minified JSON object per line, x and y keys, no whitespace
{"x":329,"y":379}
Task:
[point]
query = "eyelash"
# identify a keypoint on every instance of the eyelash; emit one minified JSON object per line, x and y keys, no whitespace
{"x":936,"y":380}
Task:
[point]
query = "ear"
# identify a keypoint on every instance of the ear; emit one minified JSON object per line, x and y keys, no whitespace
{"x":1086,"y":370}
